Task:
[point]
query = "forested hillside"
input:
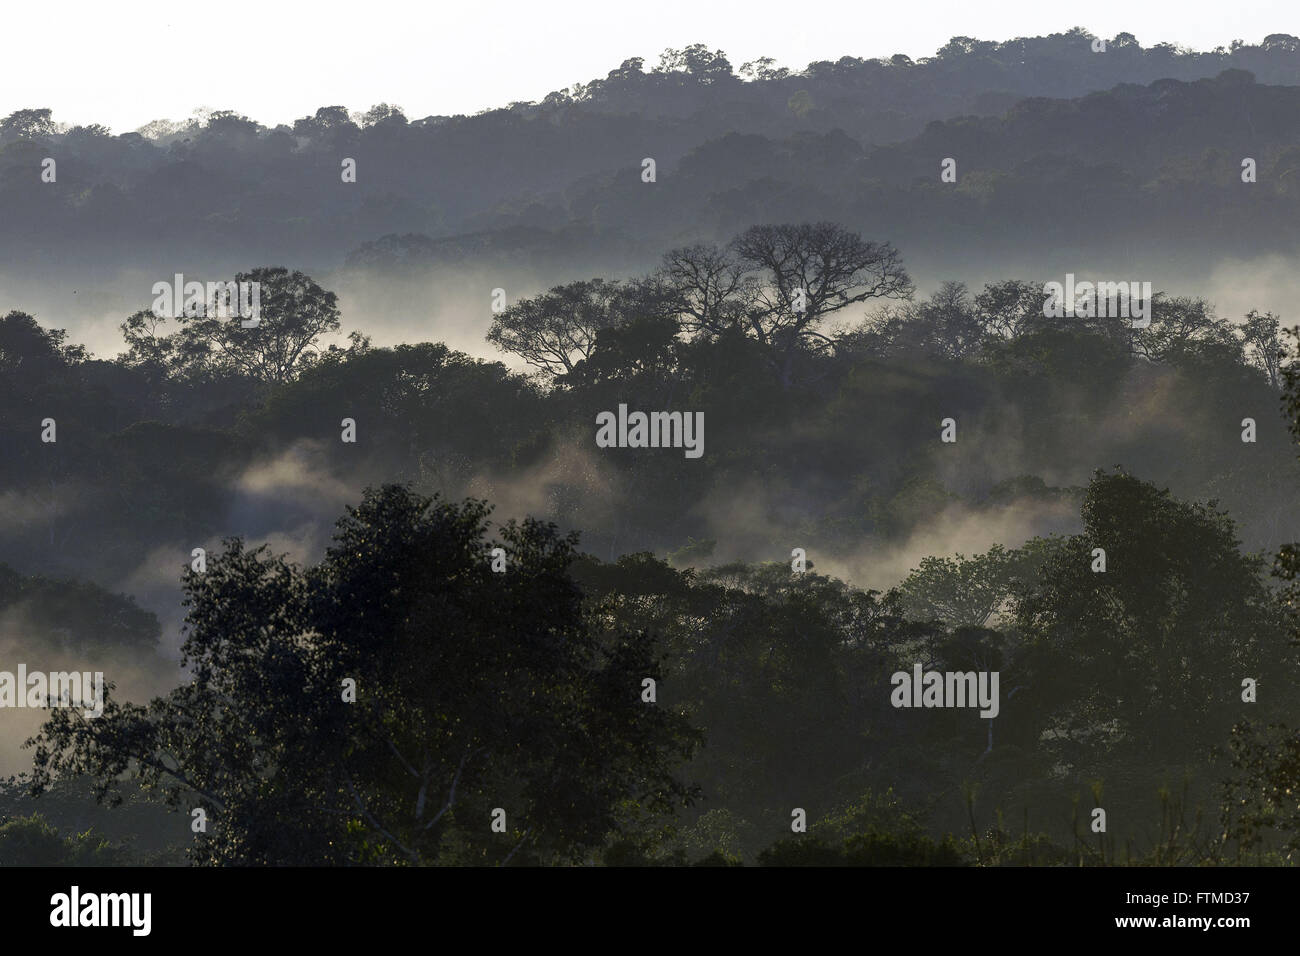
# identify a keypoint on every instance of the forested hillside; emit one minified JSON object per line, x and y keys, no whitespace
{"x":399,"y":554}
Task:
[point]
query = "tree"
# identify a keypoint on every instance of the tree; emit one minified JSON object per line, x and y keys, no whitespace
{"x":1011,"y":307}
{"x":780,"y":670}
{"x":642,"y":356}
{"x":473,"y":691}
{"x":27,"y":124}
{"x":383,"y":113}
{"x":696,"y":60}
{"x":806,"y":273}
{"x":1284,"y":42}
{"x":963,"y":591}
{"x":1148,"y":654}
{"x":295,"y":313}
{"x":1260,"y":797}
{"x":330,"y":126}
{"x":80,"y":616}
{"x":151,"y":349}
{"x":32,"y":841}
{"x":1183,"y":330}
{"x":555,"y":330}
{"x":1262,"y":339}
{"x":709,"y":287}
{"x":947,"y":325}
{"x":28,"y":349}
{"x":763,"y":69}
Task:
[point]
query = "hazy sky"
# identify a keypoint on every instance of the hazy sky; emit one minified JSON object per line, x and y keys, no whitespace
{"x":125,"y":64}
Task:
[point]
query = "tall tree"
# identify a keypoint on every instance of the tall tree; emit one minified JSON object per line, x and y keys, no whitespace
{"x":27,"y":124}
{"x":808,"y":272}
{"x":475,"y":691}
{"x":1261,"y":336}
{"x":556,"y":330}
{"x":963,"y":591}
{"x":1259,"y":806}
{"x":1148,"y":654}
{"x":709,"y":287}
{"x":295,"y":315}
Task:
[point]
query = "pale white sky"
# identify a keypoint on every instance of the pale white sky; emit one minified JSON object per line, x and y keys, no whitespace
{"x":127,"y":63}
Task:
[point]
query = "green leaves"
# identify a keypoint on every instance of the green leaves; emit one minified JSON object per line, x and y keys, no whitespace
{"x":1156,"y":646}
{"x":474,"y":690}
